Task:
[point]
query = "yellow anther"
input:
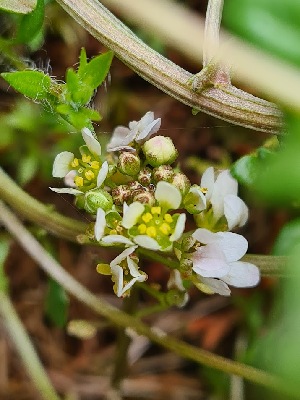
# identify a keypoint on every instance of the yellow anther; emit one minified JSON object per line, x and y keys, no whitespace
{"x":95,"y":164}
{"x":151,"y":231}
{"x":204,"y":190}
{"x":165,"y":228}
{"x":86,"y":159}
{"x":156,"y":210}
{"x":147,"y":217}
{"x":89,"y":174}
{"x":142,"y":229}
{"x":113,"y":232}
{"x":168,"y":218}
{"x":78,"y":181}
{"x":75,"y":163}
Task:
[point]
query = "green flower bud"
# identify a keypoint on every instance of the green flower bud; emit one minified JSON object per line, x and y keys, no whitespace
{"x":145,"y":197}
{"x":159,"y":150}
{"x":129,"y":163}
{"x":163,"y":173}
{"x":181,"y":181}
{"x":97,"y":198}
{"x":144,"y":176}
{"x":120,"y":194}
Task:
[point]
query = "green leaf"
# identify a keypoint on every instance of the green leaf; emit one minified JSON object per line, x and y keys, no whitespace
{"x":56,"y":304}
{"x":31,"y":24}
{"x":273,"y":25}
{"x":288,"y":238}
{"x":17,"y":6}
{"x":94,"y":73}
{"x":32,"y":84}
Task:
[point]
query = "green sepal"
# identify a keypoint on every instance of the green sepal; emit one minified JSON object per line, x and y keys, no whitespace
{"x":31,"y":24}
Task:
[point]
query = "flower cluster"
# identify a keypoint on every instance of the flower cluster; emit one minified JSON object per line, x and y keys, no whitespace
{"x":141,"y":201}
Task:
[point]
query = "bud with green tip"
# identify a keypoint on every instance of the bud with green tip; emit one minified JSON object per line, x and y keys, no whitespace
{"x":160,"y":150}
{"x":97,"y":198}
{"x":129,"y":163}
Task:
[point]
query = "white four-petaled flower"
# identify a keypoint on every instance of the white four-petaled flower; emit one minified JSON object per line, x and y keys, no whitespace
{"x":62,"y":165}
{"x":221,"y":193}
{"x":217,"y":257}
{"x":138,"y":131}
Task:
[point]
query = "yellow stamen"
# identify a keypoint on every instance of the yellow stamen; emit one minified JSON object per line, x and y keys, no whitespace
{"x":156,"y":210}
{"x":78,"y":181}
{"x":86,"y":159}
{"x":113,"y":232}
{"x":142,"y":228}
{"x":204,"y":190}
{"x":151,"y":231}
{"x":89,"y":175}
{"x":168,"y":218}
{"x":75,"y":163}
{"x":95,"y":164}
{"x":147,"y":217}
{"x":165,"y":228}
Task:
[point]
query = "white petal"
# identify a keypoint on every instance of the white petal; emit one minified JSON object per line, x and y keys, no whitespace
{"x":66,"y":190}
{"x":147,"y":242}
{"x":109,"y":239}
{"x":134,"y":271}
{"x":122,"y":256}
{"x":102,"y":174}
{"x":125,"y":207}
{"x":207,"y":181}
{"x":224,"y":185}
{"x":100,"y":224}
{"x":209,"y":261}
{"x":121,"y":137}
{"x":235,"y":211}
{"x":216,"y":286}
{"x":242,"y":274}
{"x":233,"y":245}
{"x":168,"y":195}
{"x":117,"y":272}
{"x":69,"y":179}
{"x":132,"y":214}
{"x":204,"y":236}
{"x":179,"y":228}
{"x":147,"y":127}
{"x":61,"y":164}
{"x":129,"y":285}
{"x":91,"y":142}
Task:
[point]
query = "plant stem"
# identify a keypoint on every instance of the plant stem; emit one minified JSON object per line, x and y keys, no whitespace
{"x":211,"y":30}
{"x":119,"y":318}
{"x":19,"y":336}
{"x":225,"y":101}
{"x":37,"y":212}
{"x":123,"y":342}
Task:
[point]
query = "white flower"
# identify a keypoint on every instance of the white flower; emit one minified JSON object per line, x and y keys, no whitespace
{"x":138,"y":131}
{"x":222,"y":194}
{"x":92,"y":172}
{"x":152,"y":227}
{"x":118,"y":272}
{"x":218,"y":258}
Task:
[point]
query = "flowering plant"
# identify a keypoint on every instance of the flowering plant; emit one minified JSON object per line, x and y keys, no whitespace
{"x":141,"y":202}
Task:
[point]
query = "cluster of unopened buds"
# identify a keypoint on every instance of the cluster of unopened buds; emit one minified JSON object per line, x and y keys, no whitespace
{"x":141,"y":202}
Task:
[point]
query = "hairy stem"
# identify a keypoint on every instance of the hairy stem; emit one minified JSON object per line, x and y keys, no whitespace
{"x":121,"y":319}
{"x":19,"y":336}
{"x":223,"y":101}
{"x":212,"y":29}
